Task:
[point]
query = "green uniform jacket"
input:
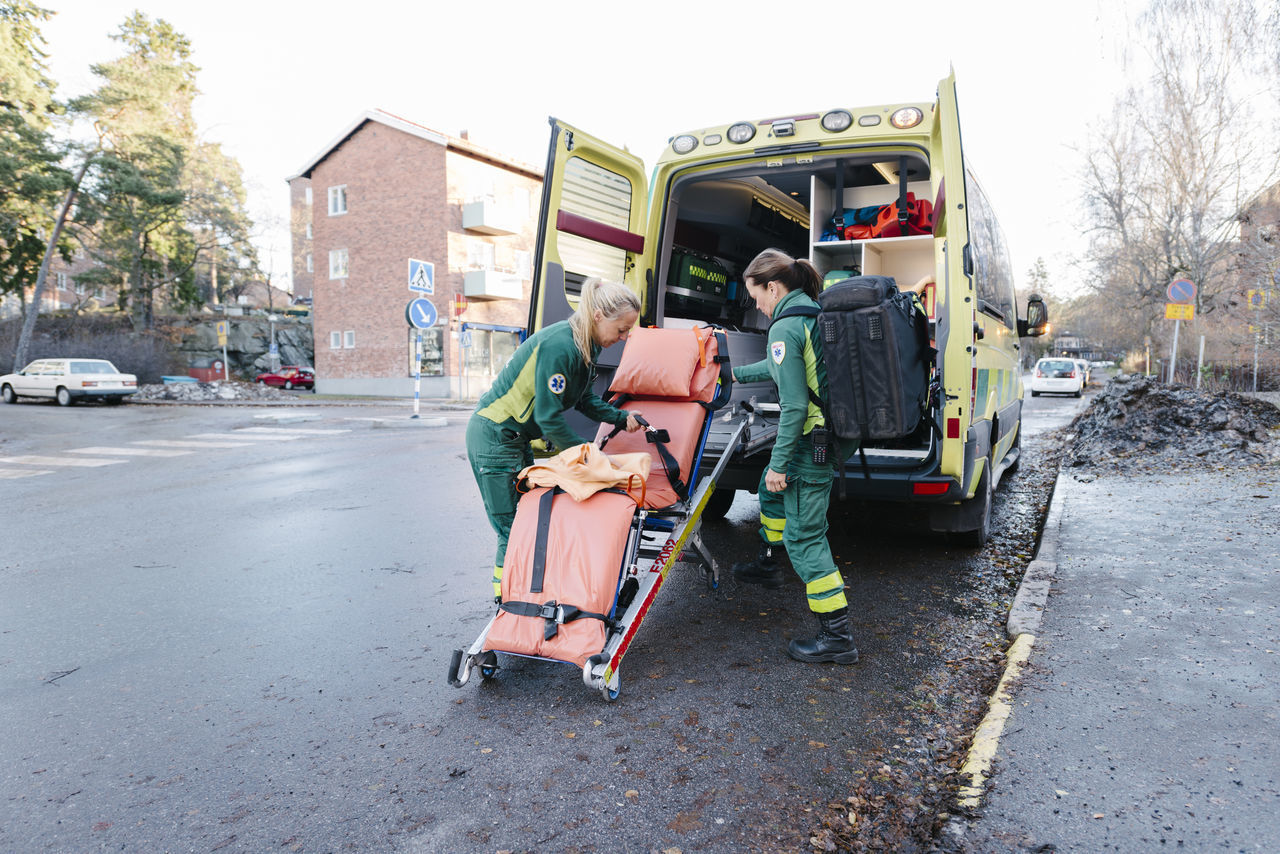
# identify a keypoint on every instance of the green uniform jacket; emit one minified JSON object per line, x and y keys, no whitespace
{"x":545,"y":377}
{"x":795,"y":367}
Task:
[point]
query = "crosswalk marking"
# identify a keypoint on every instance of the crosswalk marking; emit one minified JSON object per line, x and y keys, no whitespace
{"x":185,"y":443}
{"x":290,"y":431}
{"x":130,"y":452}
{"x":13,"y":473}
{"x":35,"y":460}
{"x":239,"y":436}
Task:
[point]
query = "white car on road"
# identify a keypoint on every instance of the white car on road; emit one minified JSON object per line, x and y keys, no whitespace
{"x":1057,"y":376}
{"x":68,"y":380}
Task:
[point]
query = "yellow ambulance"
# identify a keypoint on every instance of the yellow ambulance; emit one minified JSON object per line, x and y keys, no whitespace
{"x":807,"y":184}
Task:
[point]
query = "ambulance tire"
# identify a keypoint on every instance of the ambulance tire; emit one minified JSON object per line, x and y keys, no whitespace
{"x":719,"y":503}
{"x":977,"y":538}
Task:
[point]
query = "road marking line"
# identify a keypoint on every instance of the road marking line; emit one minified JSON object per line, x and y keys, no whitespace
{"x":184,"y":443}
{"x":130,"y":452}
{"x":35,"y":460}
{"x":299,"y":431}
{"x":987,"y":737}
{"x":239,"y":436}
{"x":16,"y":473}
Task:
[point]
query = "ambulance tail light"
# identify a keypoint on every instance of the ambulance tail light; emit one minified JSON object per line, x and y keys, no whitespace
{"x":930,"y":487}
{"x":953,"y":428}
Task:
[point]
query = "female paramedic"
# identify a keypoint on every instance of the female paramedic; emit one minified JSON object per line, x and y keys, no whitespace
{"x":550,"y":372}
{"x":795,"y":488}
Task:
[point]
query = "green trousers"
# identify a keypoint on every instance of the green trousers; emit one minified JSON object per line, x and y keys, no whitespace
{"x":797,"y":518}
{"x":497,"y":454}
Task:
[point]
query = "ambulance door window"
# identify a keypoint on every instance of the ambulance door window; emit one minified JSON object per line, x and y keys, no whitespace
{"x":593,"y":192}
{"x":992,"y":271}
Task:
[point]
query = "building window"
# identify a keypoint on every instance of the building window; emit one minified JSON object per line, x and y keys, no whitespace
{"x":61,"y":280}
{"x":310,"y":264}
{"x":79,"y":287}
{"x":335,"y":340}
{"x":524,"y":264}
{"x":308,"y":194}
{"x":337,"y":263}
{"x":308,"y":231}
{"x":337,"y":200}
{"x":349,"y":339}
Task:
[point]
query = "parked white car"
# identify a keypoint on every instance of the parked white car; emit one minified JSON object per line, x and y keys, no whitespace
{"x":1057,"y":376}
{"x":68,"y":380}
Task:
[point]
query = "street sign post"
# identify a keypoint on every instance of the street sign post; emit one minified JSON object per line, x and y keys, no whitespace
{"x":421,"y":314}
{"x":1181,"y":305}
{"x":222,"y":340}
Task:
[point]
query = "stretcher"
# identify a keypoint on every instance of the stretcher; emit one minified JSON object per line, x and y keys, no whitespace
{"x":630,"y":543}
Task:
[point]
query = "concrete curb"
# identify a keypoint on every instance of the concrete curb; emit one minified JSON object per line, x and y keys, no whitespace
{"x":1022,"y":625}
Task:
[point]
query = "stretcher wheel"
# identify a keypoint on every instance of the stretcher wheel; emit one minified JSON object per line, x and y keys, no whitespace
{"x":458,"y":674}
{"x":611,"y":694}
{"x":488,"y":664}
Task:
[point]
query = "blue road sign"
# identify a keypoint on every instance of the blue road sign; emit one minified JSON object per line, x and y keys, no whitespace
{"x":422,"y":276}
{"x":420,"y":313}
{"x":1182,"y":290}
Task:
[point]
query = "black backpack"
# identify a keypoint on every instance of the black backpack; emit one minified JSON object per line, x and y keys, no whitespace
{"x":875,"y":346}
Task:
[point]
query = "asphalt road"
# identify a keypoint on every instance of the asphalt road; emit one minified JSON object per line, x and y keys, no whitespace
{"x":243,"y":648}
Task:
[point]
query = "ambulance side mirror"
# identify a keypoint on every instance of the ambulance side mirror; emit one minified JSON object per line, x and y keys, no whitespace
{"x":1037,"y":322}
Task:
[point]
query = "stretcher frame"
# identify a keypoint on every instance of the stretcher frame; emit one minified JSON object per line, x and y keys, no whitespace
{"x":648,"y":562}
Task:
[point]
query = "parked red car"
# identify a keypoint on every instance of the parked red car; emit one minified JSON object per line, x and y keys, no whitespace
{"x":290,"y":376}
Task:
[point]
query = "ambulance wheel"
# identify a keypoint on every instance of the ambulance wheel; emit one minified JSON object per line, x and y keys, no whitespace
{"x":488,"y":664}
{"x":982,"y":500}
{"x":719,"y":503}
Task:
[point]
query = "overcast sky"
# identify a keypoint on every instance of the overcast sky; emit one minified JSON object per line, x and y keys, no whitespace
{"x":280,"y":80}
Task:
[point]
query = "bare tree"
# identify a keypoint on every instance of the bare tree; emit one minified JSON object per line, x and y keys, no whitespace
{"x":1169,"y":174}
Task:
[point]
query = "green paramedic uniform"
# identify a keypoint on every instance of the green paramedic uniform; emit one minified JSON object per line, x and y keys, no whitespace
{"x":797,"y":516}
{"x":527,"y":401}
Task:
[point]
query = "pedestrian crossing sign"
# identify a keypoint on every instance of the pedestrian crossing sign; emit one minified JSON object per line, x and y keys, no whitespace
{"x":422,"y":276}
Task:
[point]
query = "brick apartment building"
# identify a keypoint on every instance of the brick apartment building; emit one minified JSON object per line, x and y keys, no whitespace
{"x":63,"y":290}
{"x":384,"y":196}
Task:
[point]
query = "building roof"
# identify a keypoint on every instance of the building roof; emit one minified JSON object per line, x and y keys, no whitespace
{"x":420,"y":131}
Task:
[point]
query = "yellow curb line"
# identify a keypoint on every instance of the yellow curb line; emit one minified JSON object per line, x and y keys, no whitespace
{"x":987,"y":736}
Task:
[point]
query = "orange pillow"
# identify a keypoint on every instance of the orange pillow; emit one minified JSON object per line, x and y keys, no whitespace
{"x":673,"y":363}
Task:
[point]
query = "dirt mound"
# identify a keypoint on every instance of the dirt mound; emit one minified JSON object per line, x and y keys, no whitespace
{"x":201,"y":392}
{"x":1140,"y":423}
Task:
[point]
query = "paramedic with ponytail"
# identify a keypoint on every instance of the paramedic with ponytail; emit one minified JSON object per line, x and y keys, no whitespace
{"x":550,"y":372}
{"x":795,"y":489}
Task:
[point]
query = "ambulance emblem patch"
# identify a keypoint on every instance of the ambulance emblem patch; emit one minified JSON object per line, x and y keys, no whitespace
{"x":778,"y":349}
{"x":556,"y":383}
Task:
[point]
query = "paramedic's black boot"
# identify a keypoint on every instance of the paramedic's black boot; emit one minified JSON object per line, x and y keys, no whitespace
{"x":833,"y":643}
{"x":765,"y":570}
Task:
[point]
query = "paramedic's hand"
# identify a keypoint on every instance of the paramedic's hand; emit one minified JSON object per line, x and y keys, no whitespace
{"x":775,"y":481}
{"x":632,"y":424}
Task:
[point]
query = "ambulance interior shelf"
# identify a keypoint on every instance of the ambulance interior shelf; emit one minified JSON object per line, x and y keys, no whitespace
{"x":906,"y":258}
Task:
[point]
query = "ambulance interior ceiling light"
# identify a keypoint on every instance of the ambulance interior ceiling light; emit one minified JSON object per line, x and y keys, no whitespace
{"x":907,"y":117}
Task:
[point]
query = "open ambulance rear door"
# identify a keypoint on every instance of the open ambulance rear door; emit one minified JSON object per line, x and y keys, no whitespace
{"x":591,"y":223}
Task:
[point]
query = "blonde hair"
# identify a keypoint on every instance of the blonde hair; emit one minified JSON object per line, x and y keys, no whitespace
{"x":611,"y":299}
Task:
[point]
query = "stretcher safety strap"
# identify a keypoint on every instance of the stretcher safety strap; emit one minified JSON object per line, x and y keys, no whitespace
{"x":540,"y":541}
{"x":554,"y":613}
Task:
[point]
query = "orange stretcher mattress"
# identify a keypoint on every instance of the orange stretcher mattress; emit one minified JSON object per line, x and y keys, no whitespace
{"x":683,"y":421}
{"x":584,"y":544}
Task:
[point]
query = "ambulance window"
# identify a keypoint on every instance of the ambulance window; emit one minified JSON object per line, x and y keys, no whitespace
{"x":593,"y":192}
{"x":992,"y":271}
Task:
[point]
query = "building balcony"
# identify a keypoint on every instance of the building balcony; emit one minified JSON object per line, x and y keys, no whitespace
{"x":491,"y":284}
{"x":487,"y":217}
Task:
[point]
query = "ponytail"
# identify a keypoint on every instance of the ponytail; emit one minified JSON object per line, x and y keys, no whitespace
{"x":611,"y":299}
{"x":794,"y":274}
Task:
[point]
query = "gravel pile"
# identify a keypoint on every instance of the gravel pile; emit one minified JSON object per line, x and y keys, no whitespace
{"x":220,"y":390}
{"x":1138,"y":423}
